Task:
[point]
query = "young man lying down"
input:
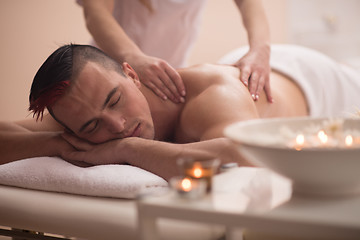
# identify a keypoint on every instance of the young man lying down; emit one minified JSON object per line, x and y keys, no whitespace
{"x":100,"y":113}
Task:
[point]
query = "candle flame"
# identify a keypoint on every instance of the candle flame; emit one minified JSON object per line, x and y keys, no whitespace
{"x":186,"y":184}
{"x":198,"y":172}
{"x":349,"y":140}
{"x":322,"y":136}
{"x":300,"y":139}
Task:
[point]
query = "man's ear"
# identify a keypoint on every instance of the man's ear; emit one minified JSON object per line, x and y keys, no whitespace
{"x":130,"y":72}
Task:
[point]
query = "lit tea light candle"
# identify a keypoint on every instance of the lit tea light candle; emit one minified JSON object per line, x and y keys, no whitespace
{"x":188,"y":188}
{"x":349,"y":140}
{"x":199,"y":169}
{"x":186,"y":185}
{"x":299,"y":141}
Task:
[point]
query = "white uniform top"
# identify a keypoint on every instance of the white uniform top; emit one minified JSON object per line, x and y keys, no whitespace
{"x":331,"y":89}
{"x":168,"y":32}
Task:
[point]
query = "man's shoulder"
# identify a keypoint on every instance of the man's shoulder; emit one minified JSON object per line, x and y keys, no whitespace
{"x":199,"y":77}
{"x":214,"y":95}
{"x":207,"y":70}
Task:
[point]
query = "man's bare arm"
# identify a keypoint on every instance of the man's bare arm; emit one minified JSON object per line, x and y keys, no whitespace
{"x":163,"y":156}
{"x":154,"y":156}
{"x":27,"y":138}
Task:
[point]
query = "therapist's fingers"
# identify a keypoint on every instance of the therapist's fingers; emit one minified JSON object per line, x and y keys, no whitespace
{"x":253,"y":85}
{"x":260,"y":86}
{"x":268,"y":91}
{"x":170,"y":86}
{"x":159,"y":88}
{"x":245,"y":74}
{"x":176,"y":80}
{"x":163,"y":80}
{"x":257,"y":84}
{"x":170,"y":83}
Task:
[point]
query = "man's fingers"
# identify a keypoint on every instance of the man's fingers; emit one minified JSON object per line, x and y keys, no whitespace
{"x":73,"y":156}
{"x":76,"y":142}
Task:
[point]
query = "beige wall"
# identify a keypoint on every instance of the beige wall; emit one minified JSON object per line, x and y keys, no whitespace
{"x":222,"y":28}
{"x":31,"y":30}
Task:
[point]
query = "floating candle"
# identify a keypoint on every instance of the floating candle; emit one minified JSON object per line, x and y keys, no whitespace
{"x":322,"y":137}
{"x":328,"y":134}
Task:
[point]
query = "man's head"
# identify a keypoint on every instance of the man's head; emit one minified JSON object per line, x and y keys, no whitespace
{"x":91,"y":94}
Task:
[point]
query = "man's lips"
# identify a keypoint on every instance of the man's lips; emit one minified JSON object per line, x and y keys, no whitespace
{"x":135,"y":132}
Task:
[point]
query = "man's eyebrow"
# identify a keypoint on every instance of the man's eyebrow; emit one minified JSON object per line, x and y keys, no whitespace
{"x":111,"y":93}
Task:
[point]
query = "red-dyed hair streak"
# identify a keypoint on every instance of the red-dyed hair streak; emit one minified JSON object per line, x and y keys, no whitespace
{"x":47,"y":98}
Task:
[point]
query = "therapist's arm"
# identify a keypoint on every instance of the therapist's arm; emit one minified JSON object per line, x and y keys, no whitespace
{"x":155,"y":73}
{"x":255,"y":66}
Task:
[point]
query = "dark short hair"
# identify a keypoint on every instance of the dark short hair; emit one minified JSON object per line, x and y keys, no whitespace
{"x":61,"y":68}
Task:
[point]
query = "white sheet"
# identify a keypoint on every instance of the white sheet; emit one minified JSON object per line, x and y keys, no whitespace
{"x":57,"y":175}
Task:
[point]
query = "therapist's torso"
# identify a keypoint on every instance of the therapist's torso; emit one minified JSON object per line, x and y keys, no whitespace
{"x":168,"y":30}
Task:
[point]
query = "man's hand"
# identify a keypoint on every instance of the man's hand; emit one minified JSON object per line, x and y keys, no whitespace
{"x":254,"y":72}
{"x":159,"y":76}
{"x":95,"y":154}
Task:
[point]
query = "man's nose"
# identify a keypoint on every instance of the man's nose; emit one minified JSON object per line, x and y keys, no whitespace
{"x":116,"y":123}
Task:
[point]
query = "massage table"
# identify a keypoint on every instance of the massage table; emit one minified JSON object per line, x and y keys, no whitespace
{"x":52,"y":196}
{"x":56,"y":197}
{"x":86,"y":217}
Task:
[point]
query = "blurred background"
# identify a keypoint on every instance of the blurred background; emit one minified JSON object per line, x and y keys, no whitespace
{"x":32,"y":30}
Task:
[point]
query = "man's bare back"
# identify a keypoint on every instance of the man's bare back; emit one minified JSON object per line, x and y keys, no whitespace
{"x":216,"y":98}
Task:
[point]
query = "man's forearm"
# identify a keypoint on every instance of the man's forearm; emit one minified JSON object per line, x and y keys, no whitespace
{"x":160,"y":157}
{"x":154,"y":156}
{"x":25,"y":144}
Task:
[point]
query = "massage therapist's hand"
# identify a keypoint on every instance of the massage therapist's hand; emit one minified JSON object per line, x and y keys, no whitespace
{"x":159,"y":76}
{"x":96,"y":154}
{"x":255,"y":71}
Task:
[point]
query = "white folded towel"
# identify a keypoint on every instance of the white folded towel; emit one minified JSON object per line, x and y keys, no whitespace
{"x":56,"y":175}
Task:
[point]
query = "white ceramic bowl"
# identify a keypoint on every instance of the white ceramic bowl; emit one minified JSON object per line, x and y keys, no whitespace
{"x":314,"y":171}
